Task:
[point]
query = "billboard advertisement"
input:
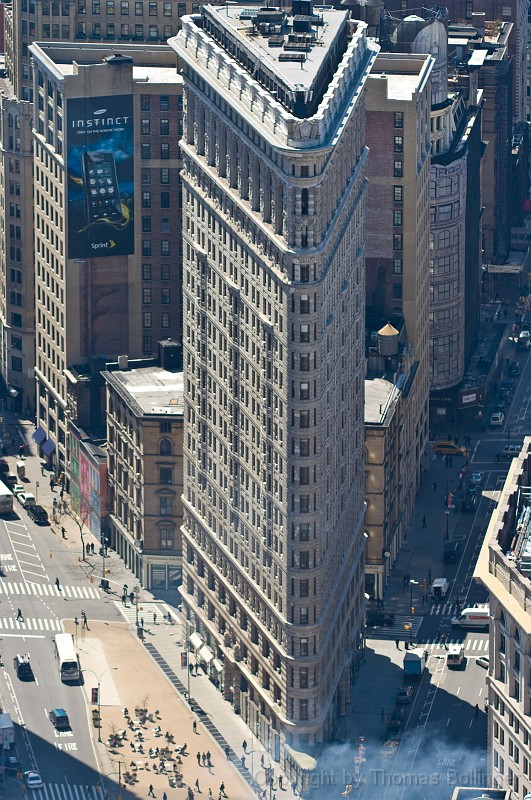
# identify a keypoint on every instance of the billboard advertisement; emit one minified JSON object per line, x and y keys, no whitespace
{"x":100,"y":164}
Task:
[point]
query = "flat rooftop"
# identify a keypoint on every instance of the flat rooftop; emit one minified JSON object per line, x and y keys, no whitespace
{"x":149,"y":390}
{"x":286,"y":53}
{"x":380,"y":396}
{"x":404,"y":74}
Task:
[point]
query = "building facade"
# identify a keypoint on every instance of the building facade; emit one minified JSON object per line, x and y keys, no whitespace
{"x":274,"y":290}
{"x":504,"y":568}
{"x":17,"y":294}
{"x":93,"y":305}
{"x":144,"y":462}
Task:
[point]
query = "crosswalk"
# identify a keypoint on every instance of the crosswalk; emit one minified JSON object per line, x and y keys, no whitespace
{"x":145,"y":612}
{"x":472,"y":646}
{"x":29,"y":624}
{"x":67,"y":791}
{"x":397,"y":629}
{"x":11,"y":588}
{"x":442,"y":609}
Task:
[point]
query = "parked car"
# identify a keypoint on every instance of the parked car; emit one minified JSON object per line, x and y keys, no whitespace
{"x":510,"y":451}
{"x":4,"y":466}
{"x":497,"y":419}
{"x":389,"y":748}
{"x":38,"y":514}
{"x":12,"y":764}
{"x":59,"y":719}
{"x":483,"y":661}
{"x":452,"y":551}
{"x":514,"y":368}
{"x":26,"y":499}
{"x":477,"y":478}
{"x":405,"y":695}
{"x":470,"y":503}
{"x":9,"y":478}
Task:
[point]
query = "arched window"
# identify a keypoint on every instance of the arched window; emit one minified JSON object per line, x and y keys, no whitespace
{"x":304,"y":201}
{"x":165,"y":447}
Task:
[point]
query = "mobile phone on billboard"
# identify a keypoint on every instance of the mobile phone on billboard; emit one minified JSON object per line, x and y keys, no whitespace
{"x":102,"y":193}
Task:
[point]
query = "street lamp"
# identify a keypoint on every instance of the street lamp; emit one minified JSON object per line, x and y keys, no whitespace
{"x":99,"y":694}
{"x":412,"y":583}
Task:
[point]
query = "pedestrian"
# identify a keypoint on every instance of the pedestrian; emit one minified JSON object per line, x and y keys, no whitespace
{"x":203,"y":759}
{"x":199,"y":759}
{"x":397,"y":642}
{"x":197,"y":785}
{"x":52,"y":483}
{"x":210,"y":795}
{"x":124,"y":598}
{"x":154,"y":619}
{"x":476,"y":710}
{"x":222,"y":789}
{"x":209,"y":758}
{"x":42,"y":470}
{"x":164,"y":796}
{"x":20,"y":615}
{"x":434,"y":486}
{"x":280,"y":779}
{"x":141,"y":622}
{"x":194,"y":726}
{"x":92,"y":548}
{"x":88,"y":545}
{"x":85,"y":621}
{"x":244,"y":746}
{"x":243,"y":761}
{"x":227,"y":752}
{"x":58,"y":587}
{"x":151,"y":793}
{"x":424,"y":521}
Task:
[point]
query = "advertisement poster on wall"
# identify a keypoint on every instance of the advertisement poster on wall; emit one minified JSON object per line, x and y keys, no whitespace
{"x":100,"y":163}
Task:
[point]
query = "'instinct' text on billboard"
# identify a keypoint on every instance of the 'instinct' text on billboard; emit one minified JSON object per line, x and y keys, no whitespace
{"x":100,"y":159}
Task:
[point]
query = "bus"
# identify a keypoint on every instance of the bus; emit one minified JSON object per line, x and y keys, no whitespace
{"x":66,"y":656}
{"x":6,"y":500}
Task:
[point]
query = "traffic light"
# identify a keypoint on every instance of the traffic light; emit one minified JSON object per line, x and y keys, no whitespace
{"x":268,"y":775}
{"x":412,"y":609}
{"x":94,"y":695}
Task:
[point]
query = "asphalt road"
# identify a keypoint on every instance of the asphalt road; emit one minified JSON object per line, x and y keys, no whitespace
{"x":32,"y":559}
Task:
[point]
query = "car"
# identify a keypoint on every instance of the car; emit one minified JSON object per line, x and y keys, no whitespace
{"x":477,"y":478}
{"x":4,"y":466}
{"x":447,"y":448}
{"x":26,"y":499}
{"x":18,"y":488}
{"x":470,"y":503}
{"x":405,"y":695}
{"x":38,"y":514}
{"x":12,"y":762}
{"x":514,"y":369}
{"x":9,"y":478}
{"x":32,"y":779}
{"x":377,"y":617}
{"x":510,"y":451}
{"x":389,"y":748}
{"x":507,"y":386}
{"x":497,"y":419}
{"x":59,"y":719}
{"x":452,"y":551}
{"x":483,"y":661}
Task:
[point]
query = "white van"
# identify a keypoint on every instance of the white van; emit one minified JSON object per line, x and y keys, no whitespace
{"x":439,"y":589}
{"x":474,"y":617}
{"x":456,"y":655}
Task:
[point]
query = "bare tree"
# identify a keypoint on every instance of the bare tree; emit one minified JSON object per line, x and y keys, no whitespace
{"x":81,"y":517}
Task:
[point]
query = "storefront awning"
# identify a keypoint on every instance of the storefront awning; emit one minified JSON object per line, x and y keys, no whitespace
{"x":196,"y":640}
{"x":39,"y":436}
{"x":217,"y":665}
{"x":48,"y":447}
{"x":206,"y":654}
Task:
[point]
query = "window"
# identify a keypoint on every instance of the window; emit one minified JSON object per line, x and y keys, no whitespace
{"x":165,"y":475}
{"x":164,"y":127}
{"x":146,"y":224}
{"x":165,"y":272}
{"x":16,"y":364}
{"x":506,"y":12}
{"x":146,"y":272}
{"x":304,"y":559}
{"x":139,"y":9}
{"x":166,"y":10}
{"x":397,"y":219}
{"x":146,"y":199}
{"x":164,"y":102}
{"x":124,"y":30}
{"x":164,"y":199}
{"x":146,"y":247}
{"x":398,"y":119}
{"x":16,"y":342}
{"x":146,"y":151}
{"x":304,"y":391}
{"x":166,"y":538}
{"x":146,"y":296}
{"x":165,"y":247}
{"x":165,"y":320}
{"x":165,"y":447}
{"x":146,"y":175}
{"x":304,"y":646}
{"x":95,"y":6}
{"x":397,"y":291}
{"x":165,"y":151}
{"x":398,"y":194}
{"x":303,"y":706}
{"x":146,"y":319}
{"x":304,"y":333}
{"x":397,"y":170}
{"x":399,"y":144}
{"x":16,"y":320}
{"x":145,"y":102}
{"x":124,"y":8}
{"x":164,"y":175}
{"x":304,"y":419}
{"x":165,"y":297}
{"x":152,"y":9}
{"x":153,"y":32}
{"x":397,"y":266}
{"x":304,"y":588}
{"x":165,"y":427}
{"x":397,"y":241}
{"x":145,"y":127}
{"x":147,"y":345}
{"x":165,"y":505}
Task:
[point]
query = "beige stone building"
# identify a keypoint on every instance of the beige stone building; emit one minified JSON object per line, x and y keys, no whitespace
{"x":93,"y":306}
{"x":17,"y":277}
{"x":504,"y":568}
{"x":145,"y":473}
{"x":274,"y":292}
